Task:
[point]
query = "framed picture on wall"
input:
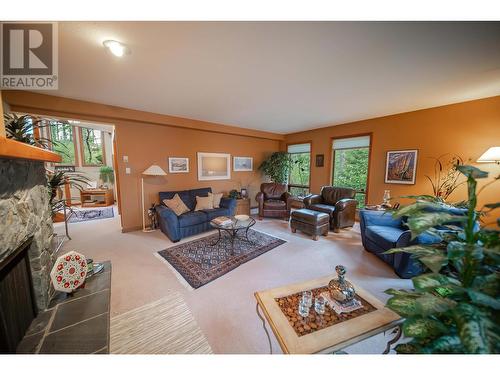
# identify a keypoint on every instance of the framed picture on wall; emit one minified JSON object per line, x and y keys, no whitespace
{"x":401,"y":167}
{"x":178,"y":165}
{"x":242,"y":164}
{"x":214,"y":166}
{"x":320,"y":160}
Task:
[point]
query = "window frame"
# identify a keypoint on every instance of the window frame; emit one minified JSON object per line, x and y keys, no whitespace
{"x":82,"y":151}
{"x":332,"y":160}
{"x":308,"y":186}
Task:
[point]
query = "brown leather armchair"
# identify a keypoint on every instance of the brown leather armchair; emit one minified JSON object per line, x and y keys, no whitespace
{"x":273,"y":200}
{"x":337,"y":202}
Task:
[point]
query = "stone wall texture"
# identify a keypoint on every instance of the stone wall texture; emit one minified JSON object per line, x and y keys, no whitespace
{"x":25,"y":212}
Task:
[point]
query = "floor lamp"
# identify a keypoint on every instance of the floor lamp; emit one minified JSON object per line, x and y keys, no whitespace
{"x":492,"y":155}
{"x":154,"y":170}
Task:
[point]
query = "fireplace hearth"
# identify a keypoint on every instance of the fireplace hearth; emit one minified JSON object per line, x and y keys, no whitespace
{"x":17,"y":300}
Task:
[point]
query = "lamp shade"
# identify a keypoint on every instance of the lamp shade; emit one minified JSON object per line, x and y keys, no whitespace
{"x":492,"y":155}
{"x":154,"y":170}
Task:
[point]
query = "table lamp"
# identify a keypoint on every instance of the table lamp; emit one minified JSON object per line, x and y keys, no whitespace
{"x":153,"y":170}
{"x":492,"y":155}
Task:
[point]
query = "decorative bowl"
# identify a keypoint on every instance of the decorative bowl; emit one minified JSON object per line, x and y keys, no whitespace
{"x":242,"y":217}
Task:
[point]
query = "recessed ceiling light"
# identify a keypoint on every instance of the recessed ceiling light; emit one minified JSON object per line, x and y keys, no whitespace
{"x":116,"y":48}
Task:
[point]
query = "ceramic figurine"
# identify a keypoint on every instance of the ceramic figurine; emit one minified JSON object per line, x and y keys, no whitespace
{"x":340,"y":289}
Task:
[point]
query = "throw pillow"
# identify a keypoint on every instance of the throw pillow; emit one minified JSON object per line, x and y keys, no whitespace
{"x":216,"y":199}
{"x":176,"y":204}
{"x":204,"y":203}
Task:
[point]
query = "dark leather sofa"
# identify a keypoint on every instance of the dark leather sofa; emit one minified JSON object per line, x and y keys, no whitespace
{"x":337,"y":202}
{"x":192,"y":222}
{"x":273,"y":200}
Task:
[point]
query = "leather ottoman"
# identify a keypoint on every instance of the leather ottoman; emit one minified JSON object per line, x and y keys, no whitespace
{"x":310,"y":222}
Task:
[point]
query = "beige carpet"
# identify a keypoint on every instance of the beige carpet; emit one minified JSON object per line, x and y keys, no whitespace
{"x":165,"y":326}
{"x":225,"y":308}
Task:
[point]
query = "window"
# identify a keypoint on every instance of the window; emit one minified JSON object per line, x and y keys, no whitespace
{"x":350,"y":165}
{"x":61,"y":134}
{"x":92,"y":146}
{"x":298,"y":180}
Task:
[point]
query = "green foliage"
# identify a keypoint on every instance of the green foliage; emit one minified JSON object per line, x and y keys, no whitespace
{"x":234,"y":194}
{"x":277,"y":167}
{"x":350,"y":169}
{"x":22,"y":129}
{"x":454,"y":308}
{"x":57,"y":180}
{"x":61,"y":133}
{"x":106,"y":174}
{"x":92,"y":146}
{"x":300,"y":168}
{"x":446,"y":176}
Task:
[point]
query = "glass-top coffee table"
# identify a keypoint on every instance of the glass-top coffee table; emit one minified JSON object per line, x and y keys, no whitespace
{"x":232,"y":229}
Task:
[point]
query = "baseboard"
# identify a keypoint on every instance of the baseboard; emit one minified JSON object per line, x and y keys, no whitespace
{"x":131,"y":229}
{"x":254,"y":210}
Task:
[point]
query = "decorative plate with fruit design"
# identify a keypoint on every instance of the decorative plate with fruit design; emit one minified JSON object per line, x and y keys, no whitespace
{"x":69,"y":272}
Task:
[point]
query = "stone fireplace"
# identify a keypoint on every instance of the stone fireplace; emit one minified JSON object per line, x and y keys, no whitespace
{"x":25,"y":213}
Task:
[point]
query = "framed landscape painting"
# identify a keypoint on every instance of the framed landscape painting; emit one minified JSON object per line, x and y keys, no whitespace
{"x":242,"y":164}
{"x":401,"y":167}
{"x":214,"y":166}
{"x":178,"y":165}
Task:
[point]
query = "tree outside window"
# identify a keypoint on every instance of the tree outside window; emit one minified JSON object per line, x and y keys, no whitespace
{"x":299,"y":173}
{"x":351,"y":170}
{"x":92,"y":146}
{"x":61,"y":134}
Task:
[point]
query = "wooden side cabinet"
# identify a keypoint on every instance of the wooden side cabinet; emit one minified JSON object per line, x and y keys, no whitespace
{"x":243,"y":206}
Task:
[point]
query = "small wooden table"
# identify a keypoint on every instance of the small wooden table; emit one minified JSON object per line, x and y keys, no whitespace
{"x":242,"y":206}
{"x":329,"y":339}
{"x":106,"y":194}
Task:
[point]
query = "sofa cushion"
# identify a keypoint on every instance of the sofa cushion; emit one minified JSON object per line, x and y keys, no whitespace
{"x":192,"y":218}
{"x":204,"y":203}
{"x":176,"y":204}
{"x":201,"y":192}
{"x":385,"y":237}
{"x":216,"y":212}
{"x":185,"y":195}
{"x":427,"y":238}
{"x":327,"y":209}
{"x":216,"y":199}
{"x":274,"y":204}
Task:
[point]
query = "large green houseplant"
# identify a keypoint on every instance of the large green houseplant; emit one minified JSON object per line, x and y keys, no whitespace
{"x":454,"y":307}
{"x":277,"y":167}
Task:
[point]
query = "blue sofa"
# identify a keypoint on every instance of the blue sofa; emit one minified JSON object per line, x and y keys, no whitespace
{"x":381,"y":232}
{"x":192,"y":222}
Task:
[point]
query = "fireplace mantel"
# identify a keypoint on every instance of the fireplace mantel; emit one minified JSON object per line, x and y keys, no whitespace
{"x":18,"y":150}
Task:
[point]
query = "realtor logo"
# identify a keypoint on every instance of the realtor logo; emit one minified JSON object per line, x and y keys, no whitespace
{"x":29,"y":56}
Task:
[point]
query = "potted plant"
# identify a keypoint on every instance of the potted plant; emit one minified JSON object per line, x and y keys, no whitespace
{"x":454,"y":307}
{"x":22,"y":129}
{"x":277,"y":167}
{"x":106,"y":174}
{"x":55,"y":183}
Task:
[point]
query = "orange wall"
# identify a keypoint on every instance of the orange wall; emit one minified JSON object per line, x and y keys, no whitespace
{"x":466,"y":129}
{"x":149,"y":144}
{"x":148,"y":138}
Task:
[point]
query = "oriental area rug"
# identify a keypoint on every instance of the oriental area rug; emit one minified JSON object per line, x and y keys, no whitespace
{"x":203,"y":260}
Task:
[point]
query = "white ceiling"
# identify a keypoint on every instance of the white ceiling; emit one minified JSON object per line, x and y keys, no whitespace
{"x":280,"y":76}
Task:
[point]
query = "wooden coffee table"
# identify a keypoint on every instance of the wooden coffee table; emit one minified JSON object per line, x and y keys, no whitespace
{"x":332,"y":338}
